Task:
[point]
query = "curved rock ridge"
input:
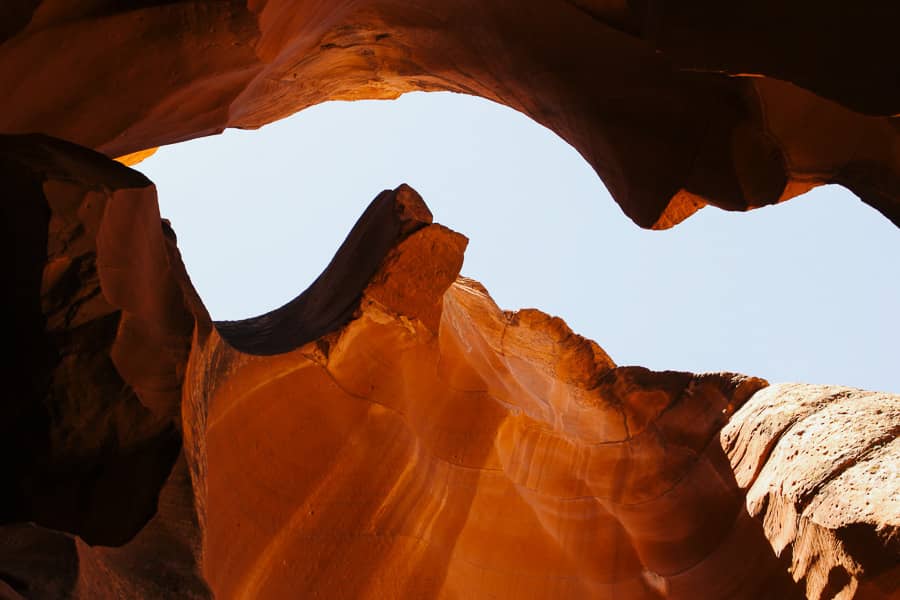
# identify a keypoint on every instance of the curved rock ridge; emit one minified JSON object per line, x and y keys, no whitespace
{"x":410,"y":439}
{"x":331,"y":299}
{"x":675,"y":105}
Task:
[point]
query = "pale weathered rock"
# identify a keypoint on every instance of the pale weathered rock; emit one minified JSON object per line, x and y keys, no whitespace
{"x":821,"y":468}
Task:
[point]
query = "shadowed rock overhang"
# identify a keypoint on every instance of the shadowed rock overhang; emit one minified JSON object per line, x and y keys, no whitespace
{"x":675,"y":105}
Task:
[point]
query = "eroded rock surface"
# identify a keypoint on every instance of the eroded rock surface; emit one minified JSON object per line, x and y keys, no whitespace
{"x":101,"y":494}
{"x":821,"y":468}
{"x":392,"y":433}
{"x":674,"y":104}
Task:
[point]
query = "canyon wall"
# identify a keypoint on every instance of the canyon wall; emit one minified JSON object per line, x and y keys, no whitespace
{"x":391,"y":433}
{"x":675,"y":105}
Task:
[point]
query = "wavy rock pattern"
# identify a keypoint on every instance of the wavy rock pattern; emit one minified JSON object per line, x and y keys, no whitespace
{"x":392,"y":433}
{"x":674,"y":104}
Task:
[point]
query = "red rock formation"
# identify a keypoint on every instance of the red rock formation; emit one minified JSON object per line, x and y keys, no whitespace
{"x":392,"y":433}
{"x":101,"y":469}
{"x":674,"y":104}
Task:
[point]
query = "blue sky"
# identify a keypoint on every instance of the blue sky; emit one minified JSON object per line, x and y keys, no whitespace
{"x":805,"y":291}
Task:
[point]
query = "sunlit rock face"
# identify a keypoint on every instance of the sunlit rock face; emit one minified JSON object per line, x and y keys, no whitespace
{"x":820,"y":468}
{"x":391,"y":433}
{"x":674,"y":104}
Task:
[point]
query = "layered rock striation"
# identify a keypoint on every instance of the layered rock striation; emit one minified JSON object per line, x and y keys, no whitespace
{"x":392,"y":433}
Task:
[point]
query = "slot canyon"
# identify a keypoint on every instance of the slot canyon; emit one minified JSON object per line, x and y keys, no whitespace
{"x":391,"y":432}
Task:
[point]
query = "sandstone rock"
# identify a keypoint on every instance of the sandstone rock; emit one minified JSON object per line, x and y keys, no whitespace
{"x":99,"y":499}
{"x":675,"y":105}
{"x":391,"y":432}
{"x":820,"y":467}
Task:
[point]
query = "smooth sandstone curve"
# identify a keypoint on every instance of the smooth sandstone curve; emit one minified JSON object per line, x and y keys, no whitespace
{"x":675,"y":105}
{"x":422,"y":444}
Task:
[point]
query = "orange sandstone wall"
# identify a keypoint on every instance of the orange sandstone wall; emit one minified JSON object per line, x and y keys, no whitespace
{"x":674,"y":104}
{"x":406,"y":439}
{"x":391,"y":432}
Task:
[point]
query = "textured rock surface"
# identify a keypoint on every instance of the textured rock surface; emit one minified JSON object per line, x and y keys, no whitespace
{"x":821,"y":468}
{"x":101,"y":488}
{"x":391,"y":433}
{"x":674,"y":104}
